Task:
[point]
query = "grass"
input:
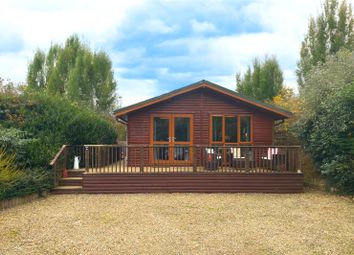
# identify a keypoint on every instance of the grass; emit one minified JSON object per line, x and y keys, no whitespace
{"x":309,"y":223}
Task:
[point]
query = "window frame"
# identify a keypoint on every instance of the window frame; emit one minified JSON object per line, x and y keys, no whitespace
{"x":211,"y":142}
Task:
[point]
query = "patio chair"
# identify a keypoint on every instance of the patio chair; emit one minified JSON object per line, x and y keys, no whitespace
{"x":237,"y":158}
{"x":274,"y":159}
{"x":212,"y":159}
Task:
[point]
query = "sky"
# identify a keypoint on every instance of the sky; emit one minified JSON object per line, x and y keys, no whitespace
{"x":158,"y":46}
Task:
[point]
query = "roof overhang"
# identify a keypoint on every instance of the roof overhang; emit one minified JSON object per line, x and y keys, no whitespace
{"x":122,"y":112}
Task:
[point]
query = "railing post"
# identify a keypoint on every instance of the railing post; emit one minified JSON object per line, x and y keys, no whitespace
{"x":194,"y":155}
{"x":141,"y":159}
{"x":65,"y":157}
{"x":247,"y":160}
{"x":299,"y":159}
{"x":54,"y":170}
{"x":87,"y":160}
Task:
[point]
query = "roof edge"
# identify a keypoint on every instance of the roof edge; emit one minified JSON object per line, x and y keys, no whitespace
{"x":203,"y":83}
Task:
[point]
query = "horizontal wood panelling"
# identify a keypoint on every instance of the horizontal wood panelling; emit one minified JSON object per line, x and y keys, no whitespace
{"x":201,"y":103}
{"x":191,"y":182}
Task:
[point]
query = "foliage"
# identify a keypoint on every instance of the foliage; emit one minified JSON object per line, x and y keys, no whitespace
{"x":17,"y":142}
{"x":74,"y":71}
{"x":340,"y":174}
{"x":263,"y":81}
{"x":326,"y":126}
{"x":33,"y":126}
{"x":54,"y":121}
{"x":288,"y":100}
{"x":17,"y":182}
{"x":8,"y":171}
{"x":330,"y":32}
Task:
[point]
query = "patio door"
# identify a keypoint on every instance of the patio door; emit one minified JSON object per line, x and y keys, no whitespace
{"x":172,"y":138}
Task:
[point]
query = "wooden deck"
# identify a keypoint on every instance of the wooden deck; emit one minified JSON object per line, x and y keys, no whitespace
{"x":109,"y":170}
{"x":208,"y":182}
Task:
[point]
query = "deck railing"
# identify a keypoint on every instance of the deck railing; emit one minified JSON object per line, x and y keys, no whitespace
{"x":97,"y":159}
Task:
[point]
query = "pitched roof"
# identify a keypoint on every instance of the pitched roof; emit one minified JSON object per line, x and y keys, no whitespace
{"x":203,"y":84}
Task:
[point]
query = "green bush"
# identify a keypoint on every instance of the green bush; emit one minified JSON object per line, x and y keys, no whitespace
{"x":17,"y":142}
{"x":54,"y":121}
{"x":326,"y":125}
{"x":15,"y":182}
{"x":34,"y":127}
{"x":340,"y":174}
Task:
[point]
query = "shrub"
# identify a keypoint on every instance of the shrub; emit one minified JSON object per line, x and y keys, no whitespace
{"x":17,"y":142}
{"x":35,"y":126}
{"x":15,"y":182}
{"x":326,"y":126}
{"x":340,"y":174}
{"x":54,"y":121}
{"x":8,"y":171}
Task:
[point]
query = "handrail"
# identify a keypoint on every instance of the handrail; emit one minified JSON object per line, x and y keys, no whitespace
{"x":113,"y":158}
{"x":52,"y":162}
{"x":194,"y":145}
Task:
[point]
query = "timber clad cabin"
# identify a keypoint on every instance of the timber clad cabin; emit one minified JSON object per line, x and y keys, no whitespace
{"x":199,"y":138}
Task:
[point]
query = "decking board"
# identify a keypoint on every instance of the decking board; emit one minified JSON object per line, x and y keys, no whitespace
{"x":193,"y":182}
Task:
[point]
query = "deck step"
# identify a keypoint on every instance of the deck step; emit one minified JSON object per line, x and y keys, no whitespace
{"x":75,"y":173}
{"x":70,"y":181}
{"x":67,"y":190}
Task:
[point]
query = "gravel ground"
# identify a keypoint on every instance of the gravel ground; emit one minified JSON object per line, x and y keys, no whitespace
{"x":309,"y":223}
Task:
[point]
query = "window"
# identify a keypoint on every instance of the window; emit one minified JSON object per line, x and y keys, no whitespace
{"x":217,"y":128}
{"x":182,"y":129}
{"x":231,"y":129}
{"x":161,"y":129}
{"x":245,"y":129}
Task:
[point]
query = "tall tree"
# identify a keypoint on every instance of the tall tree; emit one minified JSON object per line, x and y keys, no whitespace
{"x":326,"y":125}
{"x":263,"y":81}
{"x":76,"y":72}
{"x":36,"y":71}
{"x":331,"y":31}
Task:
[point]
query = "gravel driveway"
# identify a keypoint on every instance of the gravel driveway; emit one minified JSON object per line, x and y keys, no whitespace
{"x":309,"y":223}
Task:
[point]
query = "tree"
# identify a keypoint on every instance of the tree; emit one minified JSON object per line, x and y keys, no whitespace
{"x":331,"y":31}
{"x":263,"y":81}
{"x":326,"y":125}
{"x":75,"y":72}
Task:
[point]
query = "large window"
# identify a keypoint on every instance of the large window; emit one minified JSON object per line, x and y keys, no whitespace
{"x":231,"y":129}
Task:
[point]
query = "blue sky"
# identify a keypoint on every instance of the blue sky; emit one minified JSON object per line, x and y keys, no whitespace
{"x":157,"y":46}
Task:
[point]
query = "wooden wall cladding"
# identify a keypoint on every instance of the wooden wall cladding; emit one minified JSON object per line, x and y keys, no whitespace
{"x":194,"y":182}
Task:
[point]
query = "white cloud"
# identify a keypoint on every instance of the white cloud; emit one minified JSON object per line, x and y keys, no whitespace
{"x":202,"y":27}
{"x":136,"y":90}
{"x":231,"y":54}
{"x":39,"y":23}
{"x":158,"y":26}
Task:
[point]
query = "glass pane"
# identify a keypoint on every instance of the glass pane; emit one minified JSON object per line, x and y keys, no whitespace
{"x":181,"y":153}
{"x":230,"y":129}
{"x":217,"y":128}
{"x":160,"y":152}
{"x":245,"y":128}
{"x":161,"y":127}
{"x":182,"y":127}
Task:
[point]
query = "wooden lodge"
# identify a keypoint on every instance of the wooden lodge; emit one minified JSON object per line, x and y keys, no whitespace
{"x":199,"y":138}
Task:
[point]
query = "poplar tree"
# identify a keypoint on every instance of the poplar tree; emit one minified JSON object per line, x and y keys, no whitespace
{"x":75,"y":72}
{"x":331,"y":31}
{"x":263,"y":81}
